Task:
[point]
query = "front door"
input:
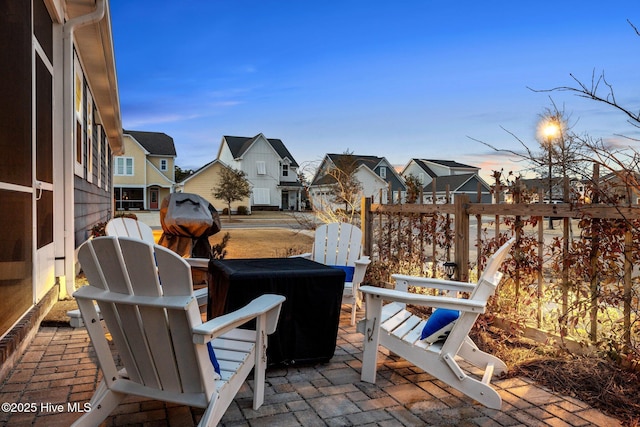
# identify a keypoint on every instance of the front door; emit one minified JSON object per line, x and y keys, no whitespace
{"x":153,"y":198}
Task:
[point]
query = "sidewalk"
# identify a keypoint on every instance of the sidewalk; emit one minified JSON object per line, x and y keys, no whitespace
{"x":57,"y":375}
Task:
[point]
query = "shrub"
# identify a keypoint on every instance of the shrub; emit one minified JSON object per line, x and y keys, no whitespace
{"x":243,"y":210}
{"x":99,"y":228}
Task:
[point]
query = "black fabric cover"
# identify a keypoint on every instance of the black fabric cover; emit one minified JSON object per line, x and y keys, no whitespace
{"x":187,"y":222}
{"x":308,"y":325}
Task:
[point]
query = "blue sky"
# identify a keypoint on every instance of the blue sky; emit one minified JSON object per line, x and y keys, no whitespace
{"x":396,"y":79}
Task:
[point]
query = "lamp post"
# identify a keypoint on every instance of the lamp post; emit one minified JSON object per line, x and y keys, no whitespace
{"x":550,"y":130}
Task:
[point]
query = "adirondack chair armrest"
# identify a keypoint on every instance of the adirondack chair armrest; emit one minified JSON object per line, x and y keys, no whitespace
{"x":197,"y":262}
{"x":306,"y":255}
{"x":425,"y":300}
{"x":269,"y":304}
{"x":363,"y":261}
{"x":426,"y":282}
{"x":360,"y":269}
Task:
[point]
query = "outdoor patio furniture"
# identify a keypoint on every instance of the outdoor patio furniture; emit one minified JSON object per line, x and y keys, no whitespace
{"x":340,"y":245}
{"x":129,"y":227}
{"x":437,"y":344}
{"x":309,"y":320}
{"x":159,"y":335}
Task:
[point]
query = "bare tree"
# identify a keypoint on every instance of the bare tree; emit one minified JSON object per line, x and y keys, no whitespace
{"x":345,"y":190}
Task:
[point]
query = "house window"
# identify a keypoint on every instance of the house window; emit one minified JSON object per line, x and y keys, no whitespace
{"x":421,"y":178}
{"x":261,"y":196}
{"x":163,"y":165}
{"x":383,"y":172}
{"x":285,"y":170}
{"x":262,"y":168}
{"x":124,"y":166}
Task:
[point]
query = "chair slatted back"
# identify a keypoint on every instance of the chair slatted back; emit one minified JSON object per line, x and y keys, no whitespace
{"x":153,"y":337}
{"x":337,"y":244}
{"x":129,"y":227}
{"x":486,"y":286}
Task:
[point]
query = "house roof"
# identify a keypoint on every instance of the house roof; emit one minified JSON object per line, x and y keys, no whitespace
{"x":238,"y":145}
{"x":448,"y":163}
{"x":424,"y":167}
{"x":453,"y":181}
{"x":156,"y":143}
{"x":370,"y":161}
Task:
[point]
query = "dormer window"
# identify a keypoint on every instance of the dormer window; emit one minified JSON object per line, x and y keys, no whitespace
{"x":285,"y":170}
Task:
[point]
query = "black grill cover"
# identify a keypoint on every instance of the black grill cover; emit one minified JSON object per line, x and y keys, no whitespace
{"x":187,"y":222}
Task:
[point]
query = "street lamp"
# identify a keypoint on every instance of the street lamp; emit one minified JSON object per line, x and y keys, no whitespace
{"x":550,"y":130}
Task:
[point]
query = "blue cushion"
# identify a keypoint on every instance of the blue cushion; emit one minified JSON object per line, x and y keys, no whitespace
{"x":212,"y":357}
{"x":439,"y":325}
{"x":348,"y":271}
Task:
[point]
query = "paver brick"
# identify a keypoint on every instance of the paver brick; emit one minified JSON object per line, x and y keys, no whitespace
{"x":62,"y":362}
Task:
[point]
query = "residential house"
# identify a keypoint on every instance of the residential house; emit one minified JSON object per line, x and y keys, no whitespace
{"x":449,"y":175}
{"x":621,"y":186}
{"x":59,"y":126}
{"x":204,"y":180}
{"x":145,"y":174}
{"x":375,"y":174}
{"x":269,"y":167}
{"x":578,"y":188}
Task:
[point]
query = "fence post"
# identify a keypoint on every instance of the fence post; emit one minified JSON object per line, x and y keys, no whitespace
{"x":461,"y":238}
{"x":593,"y":258}
{"x":627,"y":287}
{"x":366,"y":219}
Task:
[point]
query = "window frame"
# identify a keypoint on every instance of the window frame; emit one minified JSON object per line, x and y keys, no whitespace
{"x":124,"y":160}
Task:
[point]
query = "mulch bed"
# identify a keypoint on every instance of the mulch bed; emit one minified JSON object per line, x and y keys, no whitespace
{"x":597,"y":381}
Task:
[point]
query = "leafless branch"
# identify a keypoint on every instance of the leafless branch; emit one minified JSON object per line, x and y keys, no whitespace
{"x":634,"y":27}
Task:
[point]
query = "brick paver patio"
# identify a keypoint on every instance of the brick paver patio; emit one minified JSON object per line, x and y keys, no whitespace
{"x":57,"y":375}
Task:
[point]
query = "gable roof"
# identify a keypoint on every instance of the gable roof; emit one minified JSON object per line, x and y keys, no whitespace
{"x":238,"y":145}
{"x":370,"y":161}
{"x":156,"y":143}
{"x":204,"y":168}
{"x":448,"y":163}
{"x":421,"y":163}
{"x":453,"y":181}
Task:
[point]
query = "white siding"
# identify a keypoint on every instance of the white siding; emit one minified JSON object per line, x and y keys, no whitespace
{"x":261,"y":151}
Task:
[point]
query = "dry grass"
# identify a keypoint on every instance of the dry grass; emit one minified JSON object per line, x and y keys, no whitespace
{"x":264,"y":242}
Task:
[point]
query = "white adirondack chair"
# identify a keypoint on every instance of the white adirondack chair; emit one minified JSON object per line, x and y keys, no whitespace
{"x":395,"y":328}
{"x":340,"y":244}
{"x":159,"y":335}
{"x":129,"y":227}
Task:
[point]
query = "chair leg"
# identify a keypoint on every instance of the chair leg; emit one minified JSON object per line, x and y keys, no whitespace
{"x":470,"y":352}
{"x":212,"y":414}
{"x":353,"y":314}
{"x":103,"y":402}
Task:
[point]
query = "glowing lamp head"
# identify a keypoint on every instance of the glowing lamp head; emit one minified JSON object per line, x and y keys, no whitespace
{"x":550,"y":129}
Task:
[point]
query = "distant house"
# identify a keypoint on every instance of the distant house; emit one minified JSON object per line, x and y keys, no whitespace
{"x":60,"y":124}
{"x":269,"y":167}
{"x":202,"y":182}
{"x":458,"y":178}
{"x":375,"y":175}
{"x":145,"y":174}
